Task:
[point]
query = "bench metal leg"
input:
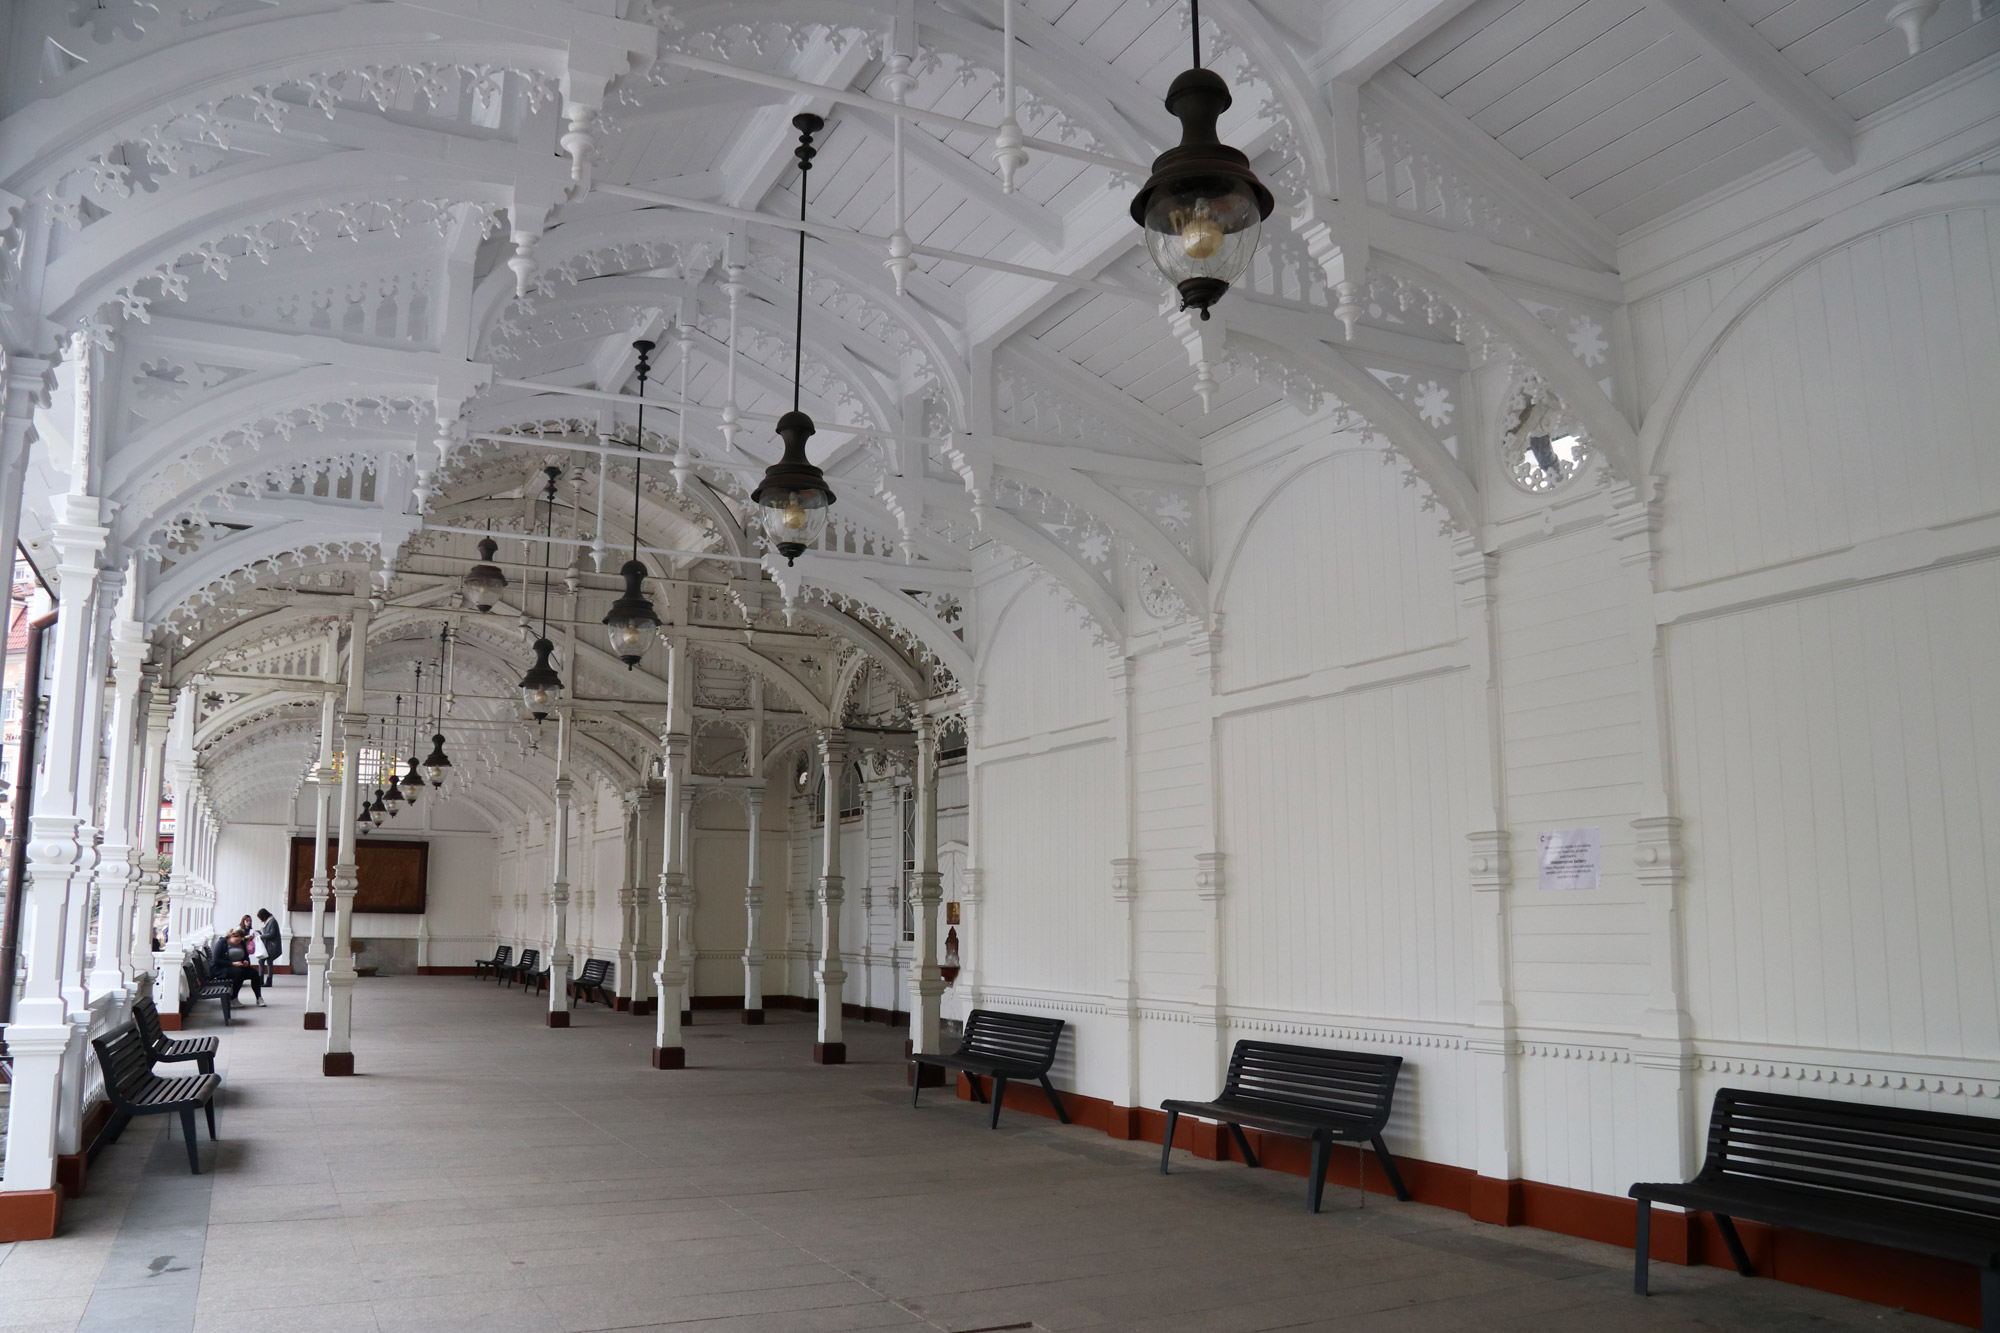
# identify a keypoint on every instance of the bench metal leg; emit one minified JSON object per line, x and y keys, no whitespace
{"x":916,"y":1082}
{"x":1642,"y":1246}
{"x":1243,"y":1143}
{"x":205,"y":1063}
{"x":1735,"y":1244}
{"x":1167,"y":1141}
{"x":1054,"y":1100}
{"x":999,"y":1094}
{"x":978,"y":1092}
{"x":209,"y":1107}
{"x":227,"y":1021}
{"x":1389,"y":1169}
{"x":1989,"y":1299}
{"x":1316,"y":1184}
{"x":112,"y":1129}
{"x":187,"y":1133}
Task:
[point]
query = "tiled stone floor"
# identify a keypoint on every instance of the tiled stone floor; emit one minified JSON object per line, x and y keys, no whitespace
{"x":484,"y":1172}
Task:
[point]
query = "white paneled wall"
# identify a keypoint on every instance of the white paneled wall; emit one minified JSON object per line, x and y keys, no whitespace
{"x":1840,"y":760}
{"x":1855,"y":400}
{"x":1789,"y":647}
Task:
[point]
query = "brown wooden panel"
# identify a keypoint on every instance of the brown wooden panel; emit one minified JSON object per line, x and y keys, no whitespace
{"x":394,"y":876}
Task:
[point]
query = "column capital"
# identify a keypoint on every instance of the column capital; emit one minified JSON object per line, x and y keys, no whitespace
{"x":1490,"y":861}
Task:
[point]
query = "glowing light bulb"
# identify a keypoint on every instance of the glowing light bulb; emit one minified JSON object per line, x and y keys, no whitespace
{"x":793,"y":516}
{"x":1201,"y":234}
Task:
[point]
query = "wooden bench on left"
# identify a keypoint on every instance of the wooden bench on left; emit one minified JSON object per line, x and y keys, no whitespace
{"x":134,"y":1089}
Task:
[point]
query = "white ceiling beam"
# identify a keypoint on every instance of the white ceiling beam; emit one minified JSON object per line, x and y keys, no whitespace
{"x":762,"y":151}
{"x":1360,"y":38}
{"x":982,"y":187}
{"x":1512,"y":183}
{"x":1758,"y":69}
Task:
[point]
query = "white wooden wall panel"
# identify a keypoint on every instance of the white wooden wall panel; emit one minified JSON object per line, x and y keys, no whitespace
{"x":1663,"y":325}
{"x":1338,"y":567}
{"x":1047,"y":912}
{"x":1570,"y":713}
{"x":1171,"y":777}
{"x":1857,"y":399}
{"x":1043,"y":673}
{"x":1841,"y":761}
{"x":1342,"y":819}
{"x":1579,"y":1117}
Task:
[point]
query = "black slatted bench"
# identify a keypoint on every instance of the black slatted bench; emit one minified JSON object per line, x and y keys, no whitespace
{"x":501,"y":957}
{"x":523,"y":970}
{"x":1322,"y":1095}
{"x":171,"y":1050}
{"x":593,"y":981}
{"x":1915,"y":1180}
{"x":203,"y":984}
{"x":134,"y":1089}
{"x":1002,"y":1046}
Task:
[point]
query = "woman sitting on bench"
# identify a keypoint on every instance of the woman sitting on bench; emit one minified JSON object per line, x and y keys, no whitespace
{"x":236,"y":957}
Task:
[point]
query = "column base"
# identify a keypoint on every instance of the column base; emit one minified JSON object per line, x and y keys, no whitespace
{"x":29,"y":1214}
{"x":337,"y":1064}
{"x":71,"y":1168}
{"x":558,"y":1018}
{"x":687,"y":1018}
{"x":1495,"y":1201}
{"x":829,"y":1052}
{"x":621,"y":1004}
{"x":754,"y":1017}
{"x":670,"y":1057}
{"x":315,"y":1022}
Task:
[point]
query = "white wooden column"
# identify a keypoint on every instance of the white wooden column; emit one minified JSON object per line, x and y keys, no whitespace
{"x":630,"y":916}
{"x":339,"y":1058}
{"x":1496,"y":1190}
{"x":670,"y":976}
{"x":77,"y":920}
{"x":324,"y":787}
{"x":926,"y":982}
{"x":753,"y":909}
{"x":112,"y":972}
{"x":829,"y":1047}
{"x":159,"y":714}
{"x":558,"y":964}
{"x":42,"y":1031}
{"x":1663,"y":1055}
{"x":684,"y":897}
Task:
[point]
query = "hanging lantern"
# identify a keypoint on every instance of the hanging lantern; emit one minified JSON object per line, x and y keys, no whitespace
{"x":1203,"y":206}
{"x":793,"y":497}
{"x":484,"y":582}
{"x":632,"y":622}
{"x":541,"y":688}
{"x":437,"y":761}
{"x":377,"y":812}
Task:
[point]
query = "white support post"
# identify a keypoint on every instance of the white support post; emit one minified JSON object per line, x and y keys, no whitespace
{"x":684,"y":897}
{"x":112,"y":972}
{"x":926,"y":982}
{"x":829,"y":1048}
{"x":340,"y":974}
{"x":146,"y":898}
{"x":323,"y":792}
{"x":753,"y":910}
{"x":558,"y":1012}
{"x":43,"y":1032}
{"x":669,"y":976}
{"x":1496,"y":1194}
{"x":631,"y":918}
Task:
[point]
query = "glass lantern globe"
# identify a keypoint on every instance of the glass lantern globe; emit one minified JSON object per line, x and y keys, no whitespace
{"x":792,"y":499}
{"x":1203,"y":208}
{"x":437,"y":761}
{"x":632,"y":623}
{"x":541,"y":688}
{"x":484,"y":582}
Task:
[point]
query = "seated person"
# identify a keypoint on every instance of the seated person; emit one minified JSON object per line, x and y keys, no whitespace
{"x":236,"y":959}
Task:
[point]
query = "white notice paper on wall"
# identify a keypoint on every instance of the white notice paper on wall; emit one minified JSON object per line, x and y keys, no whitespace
{"x":1569,"y":858}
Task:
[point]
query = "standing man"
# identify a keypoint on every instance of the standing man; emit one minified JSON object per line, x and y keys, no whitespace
{"x":274,"y":941}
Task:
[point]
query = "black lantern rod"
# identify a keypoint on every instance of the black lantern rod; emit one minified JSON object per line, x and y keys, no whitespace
{"x":1194,"y":27}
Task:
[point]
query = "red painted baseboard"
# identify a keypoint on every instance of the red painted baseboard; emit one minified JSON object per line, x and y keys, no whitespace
{"x":170,"y":1022}
{"x":670,"y":1057}
{"x":1896,"y":1278}
{"x":29,"y":1214}
{"x":337,"y":1064}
